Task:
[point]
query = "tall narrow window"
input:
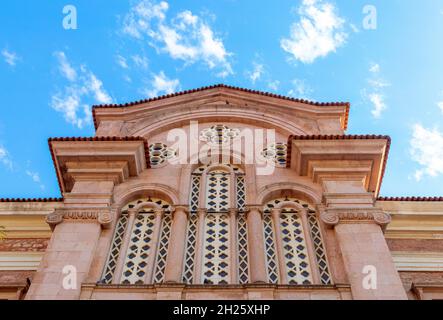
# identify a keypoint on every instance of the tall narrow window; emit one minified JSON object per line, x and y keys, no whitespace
{"x":216,"y":249}
{"x":140,"y":248}
{"x":220,"y":231}
{"x":217,"y":191}
{"x":142,"y":259}
{"x":294,"y":249}
{"x":293,"y":236}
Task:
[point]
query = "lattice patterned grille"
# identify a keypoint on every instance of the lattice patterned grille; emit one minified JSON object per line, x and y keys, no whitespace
{"x":320,"y":252}
{"x":216,"y":249}
{"x":163,"y":204}
{"x":140,"y":247}
{"x":241,"y":193}
{"x":294,"y":249}
{"x":217,"y":194}
{"x":163,"y":249}
{"x":219,"y":134}
{"x":159,"y":153}
{"x":277,"y":152}
{"x":195,"y":193}
{"x":271,"y":255}
{"x":315,"y":232}
{"x":114,"y":253}
{"x":191,"y":241}
{"x":242,"y":242}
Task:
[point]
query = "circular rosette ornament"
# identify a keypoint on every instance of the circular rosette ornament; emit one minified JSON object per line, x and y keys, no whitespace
{"x":159,"y":153}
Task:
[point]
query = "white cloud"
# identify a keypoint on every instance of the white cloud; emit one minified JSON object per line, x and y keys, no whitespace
{"x":10,"y":57}
{"x":374,"y":68}
{"x":139,"y":61}
{"x":256,"y":73}
{"x":5,"y":158}
{"x":65,"y":67}
{"x":440,"y":105}
{"x":273,"y":85}
{"x":35,"y":176}
{"x":319,"y":32}
{"x":84,"y":86}
{"x":426,"y":148}
{"x":121,"y":61}
{"x":378,"y":103}
{"x":161,"y":84}
{"x":185,"y":37}
{"x":375,"y":92}
{"x":300,"y":89}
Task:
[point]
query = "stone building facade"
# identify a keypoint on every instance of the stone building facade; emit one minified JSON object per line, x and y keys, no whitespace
{"x":167,"y":201}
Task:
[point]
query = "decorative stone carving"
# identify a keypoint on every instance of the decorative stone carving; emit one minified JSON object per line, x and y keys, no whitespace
{"x":331,"y":217}
{"x":105,"y":219}
{"x":54,"y":219}
{"x":103,"y":216}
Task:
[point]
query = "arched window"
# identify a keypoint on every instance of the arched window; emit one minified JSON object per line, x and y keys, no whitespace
{"x":140,"y":243}
{"x":216,"y":248}
{"x":293,"y":243}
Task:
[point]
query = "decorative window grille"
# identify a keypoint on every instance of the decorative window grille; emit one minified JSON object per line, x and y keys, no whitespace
{"x":139,"y":250}
{"x":216,"y":249}
{"x":163,"y":249}
{"x":159,"y":153}
{"x":217,"y":192}
{"x":240,"y":192}
{"x":114,"y":253}
{"x":320,"y":254}
{"x":242,"y":242}
{"x":191,"y":241}
{"x":218,"y":134}
{"x":216,"y":239}
{"x":278,"y":152}
{"x":271,"y":256}
{"x":294,"y":249}
{"x":135,"y":259}
{"x":195,"y":193}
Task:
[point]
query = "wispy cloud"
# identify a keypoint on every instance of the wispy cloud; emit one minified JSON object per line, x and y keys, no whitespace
{"x":5,"y":158}
{"x":273,"y":85}
{"x":440,"y":105}
{"x":161,"y":84}
{"x":374,"y":93}
{"x":83,"y":87}
{"x":10,"y":57}
{"x":121,"y":61}
{"x":300,"y":89}
{"x":65,"y":67}
{"x":140,"y":61}
{"x":256,"y":72}
{"x":185,"y":37}
{"x":319,"y":32}
{"x":426,"y":148}
{"x":35,"y":176}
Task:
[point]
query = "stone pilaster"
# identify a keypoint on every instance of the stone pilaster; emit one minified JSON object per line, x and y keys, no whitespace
{"x":257,"y":260}
{"x":367,"y":260}
{"x":177,"y":245}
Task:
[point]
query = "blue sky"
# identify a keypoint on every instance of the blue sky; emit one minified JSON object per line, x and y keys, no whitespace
{"x":128,"y":50}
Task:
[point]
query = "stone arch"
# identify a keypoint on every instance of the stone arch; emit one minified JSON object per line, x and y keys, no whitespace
{"x":139,"y":190}
{"x":288,"y":189}
{"x":246,"y":116}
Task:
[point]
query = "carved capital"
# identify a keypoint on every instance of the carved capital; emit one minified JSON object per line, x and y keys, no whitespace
{"x":105,"y":219}
{"x":102,"y":216}
{"x":54,"y":219}
{"x":331,"y":219}
{"x":180,"y":208}
{"x":254,"y":209}
{"x":333,"y":216}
